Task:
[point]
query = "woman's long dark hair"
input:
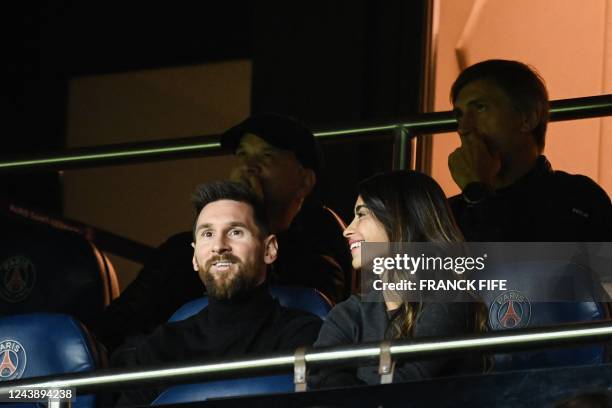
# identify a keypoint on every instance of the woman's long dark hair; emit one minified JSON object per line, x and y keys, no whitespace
{"x":411,"y":207}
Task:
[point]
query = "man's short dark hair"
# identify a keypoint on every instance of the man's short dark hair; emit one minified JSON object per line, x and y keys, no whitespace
{"x":230,"y":190}
{"x":522,"y":83}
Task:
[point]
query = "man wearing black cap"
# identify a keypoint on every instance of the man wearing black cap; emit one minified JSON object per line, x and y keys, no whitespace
{"x":279,"y":162}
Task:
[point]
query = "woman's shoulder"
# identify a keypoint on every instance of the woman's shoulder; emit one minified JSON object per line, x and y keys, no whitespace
{"x":356,"y":308}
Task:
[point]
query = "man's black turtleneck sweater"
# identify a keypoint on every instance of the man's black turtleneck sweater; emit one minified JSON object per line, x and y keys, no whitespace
{"x":253,"y":322}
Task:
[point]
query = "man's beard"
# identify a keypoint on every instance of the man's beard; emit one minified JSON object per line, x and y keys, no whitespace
{"x":230,"y":283}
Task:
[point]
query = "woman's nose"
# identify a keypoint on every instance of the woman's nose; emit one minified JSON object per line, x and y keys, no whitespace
{"x":348,"y":231}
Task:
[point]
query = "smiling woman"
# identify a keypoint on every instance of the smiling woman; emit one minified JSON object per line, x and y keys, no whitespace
{"x":365,"y":227}
{"x":402,"y":206}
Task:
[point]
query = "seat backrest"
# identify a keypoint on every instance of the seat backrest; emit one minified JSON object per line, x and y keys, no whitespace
{"x":271,"y":384}
{"x":540,"y":294}
{"x":307,"y":299}
{"x":42,"y":344}
{"x":47,"y":270}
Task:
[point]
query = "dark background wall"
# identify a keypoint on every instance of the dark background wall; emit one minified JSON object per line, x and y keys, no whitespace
{"x":326,"y":63}
{"x":340,"y":62}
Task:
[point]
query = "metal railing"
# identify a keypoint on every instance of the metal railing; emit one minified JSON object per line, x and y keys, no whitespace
{"x":414,"y":349}
{"x":404,"y":129}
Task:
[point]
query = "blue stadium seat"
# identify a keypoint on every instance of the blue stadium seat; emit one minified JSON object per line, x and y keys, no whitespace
{"x":48,"y":270}
{"x":41,"y":344}
{"x":307,"y":299}
{"x":540,"y":294}
{"x":272,"y":384}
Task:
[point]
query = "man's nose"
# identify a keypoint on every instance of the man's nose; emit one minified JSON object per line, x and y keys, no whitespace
{"x":465,"y":124}
{"x":220,"y":245}
{"x":251,"y":164}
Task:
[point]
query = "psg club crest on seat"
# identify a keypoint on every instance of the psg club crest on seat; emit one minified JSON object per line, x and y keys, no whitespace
{"x":510,"y":310}
{"x":12,"y":360}
{"x":17,"y":278}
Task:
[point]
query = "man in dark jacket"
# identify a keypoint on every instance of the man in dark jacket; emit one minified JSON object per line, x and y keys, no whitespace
{"x":278,"y":160}
{"x":232,"y":246}
{"x":509,"y":190}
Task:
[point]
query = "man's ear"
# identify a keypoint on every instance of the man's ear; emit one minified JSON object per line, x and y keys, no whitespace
{"x":194,"y":261}
{"x":270,"y":249}
{"x":530,"y":121}
{"x":309,"y":179}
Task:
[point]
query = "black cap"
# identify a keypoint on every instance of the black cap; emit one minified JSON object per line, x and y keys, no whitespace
{"x":281,"y":132}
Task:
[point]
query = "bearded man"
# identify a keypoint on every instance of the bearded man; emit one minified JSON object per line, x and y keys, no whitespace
{"x":232,"y":247}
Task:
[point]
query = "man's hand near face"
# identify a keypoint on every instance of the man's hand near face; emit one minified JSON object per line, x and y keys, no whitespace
{"x":473,"y":162}
{"x":243,"y":175}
